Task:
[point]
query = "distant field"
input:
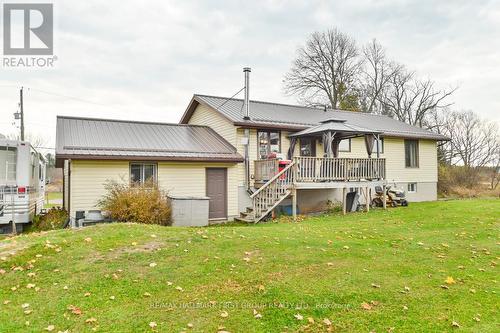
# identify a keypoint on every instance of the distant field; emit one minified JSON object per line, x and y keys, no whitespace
{"x":53,"y":199}
{"x":430,"y":267}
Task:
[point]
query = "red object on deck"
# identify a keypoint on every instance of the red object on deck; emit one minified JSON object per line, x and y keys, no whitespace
{"x":282,"y":164}
{"x":21,"y":190}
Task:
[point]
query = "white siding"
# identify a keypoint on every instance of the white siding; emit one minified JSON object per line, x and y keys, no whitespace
{"x":206,"y":116}
{"x":87,"y":181}
{"x":178,"y":178}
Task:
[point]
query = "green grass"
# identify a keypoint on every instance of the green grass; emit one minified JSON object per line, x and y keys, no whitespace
{"x":322,"y":267}
{"x":51,"y":196}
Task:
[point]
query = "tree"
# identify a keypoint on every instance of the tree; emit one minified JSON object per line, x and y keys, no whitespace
{"x":325,"y":69}
{"x":376,"y":74}
{"x":411,"y":100}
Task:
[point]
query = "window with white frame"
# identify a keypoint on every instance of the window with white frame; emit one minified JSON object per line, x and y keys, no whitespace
{"x":411,"y":153}
{"x":142,"y":172}
{"x":345,"y":145}
{"x":412,"y":187}
{"x":268,"y":142}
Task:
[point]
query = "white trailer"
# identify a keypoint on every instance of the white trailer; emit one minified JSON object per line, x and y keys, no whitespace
{"x":22,"y":184}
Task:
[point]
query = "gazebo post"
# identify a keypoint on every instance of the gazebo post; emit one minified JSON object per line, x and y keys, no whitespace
{"x":377,"y":137}
{"x":294,"y":203}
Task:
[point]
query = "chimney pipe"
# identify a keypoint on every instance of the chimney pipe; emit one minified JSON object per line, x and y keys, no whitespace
{"x":246,"y":103}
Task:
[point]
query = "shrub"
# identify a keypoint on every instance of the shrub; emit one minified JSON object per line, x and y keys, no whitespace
{"x":464,"y":182}
{"x":137,"y":203}
{"x":53,"y":219}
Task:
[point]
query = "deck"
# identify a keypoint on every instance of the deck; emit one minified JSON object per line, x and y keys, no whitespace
{"x":276,"y":183}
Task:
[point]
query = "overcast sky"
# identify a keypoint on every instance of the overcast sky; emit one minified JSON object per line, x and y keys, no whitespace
{"x":144,"y":60}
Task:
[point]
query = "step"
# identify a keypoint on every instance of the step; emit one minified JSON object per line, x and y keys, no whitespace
{"x":244,"y":219}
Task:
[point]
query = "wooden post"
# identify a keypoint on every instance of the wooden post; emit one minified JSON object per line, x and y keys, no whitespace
{"x":344,"y":203}
{"x":384,"y":201}
{"x":294,"y":203}
{"x":367,"y":197}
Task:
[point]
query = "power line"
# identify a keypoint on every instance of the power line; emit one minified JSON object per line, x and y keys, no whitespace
{"x":67,"y":96}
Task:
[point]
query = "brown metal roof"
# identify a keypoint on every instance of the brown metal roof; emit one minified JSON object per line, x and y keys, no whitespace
{"x":88,"y":138}
{"x":296,"y":118}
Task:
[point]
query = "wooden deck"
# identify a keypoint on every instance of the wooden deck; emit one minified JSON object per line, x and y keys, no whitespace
{"x":311,"y":173}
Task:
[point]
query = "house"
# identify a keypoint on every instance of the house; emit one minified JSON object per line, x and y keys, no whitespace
{"x":221,"y":149}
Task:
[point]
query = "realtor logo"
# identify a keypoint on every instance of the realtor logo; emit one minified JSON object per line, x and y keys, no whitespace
{"x":28,"y":29}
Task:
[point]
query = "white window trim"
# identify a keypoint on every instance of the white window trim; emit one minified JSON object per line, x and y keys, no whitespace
{"x":408,"y":187}
{"x":142,"y":163}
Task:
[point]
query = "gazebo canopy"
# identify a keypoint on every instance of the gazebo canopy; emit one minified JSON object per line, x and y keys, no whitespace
{"x":340,"y":127}
{"x":332,"y":131}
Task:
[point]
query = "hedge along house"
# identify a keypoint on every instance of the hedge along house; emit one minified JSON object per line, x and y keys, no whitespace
{"x":332,"y":151}
{"x":184,"y":160}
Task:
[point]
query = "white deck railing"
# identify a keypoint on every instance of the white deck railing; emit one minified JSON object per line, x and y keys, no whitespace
{"x":324,"y":169}
{"x":265,"y":169}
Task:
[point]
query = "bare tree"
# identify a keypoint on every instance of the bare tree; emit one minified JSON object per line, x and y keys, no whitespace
{"x":411,"y":100}
{"x":474,"y":141}
{"x":35,"y":140}
{"x":495,"y":170}
{"x":376,"y":75}
{"x":325,"y":69}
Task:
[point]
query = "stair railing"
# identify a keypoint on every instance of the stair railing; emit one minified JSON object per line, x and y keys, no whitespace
{"x":273,"y":192}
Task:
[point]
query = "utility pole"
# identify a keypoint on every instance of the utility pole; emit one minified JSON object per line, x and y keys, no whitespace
{"x":22,"y":112}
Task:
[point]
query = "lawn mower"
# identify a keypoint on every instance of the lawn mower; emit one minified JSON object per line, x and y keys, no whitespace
{"x":394,"y":197}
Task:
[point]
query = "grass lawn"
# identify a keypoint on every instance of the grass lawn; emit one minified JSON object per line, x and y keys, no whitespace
{"x":430,"y":267}
{"x":53,"y":199}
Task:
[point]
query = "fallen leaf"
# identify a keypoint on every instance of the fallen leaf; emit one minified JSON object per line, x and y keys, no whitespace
{"x":91,"y":321}
{"x":449,"y":280}
{"x":310,"y":320}
{"x":455,"y":324}
{"x":146,"y":294}
{"x":75,"y":310}
{"x":87,"y":294}
{"x":153,"y":264}
{"x":298,"y":316}
{"x":25,"y":305}
{"x":190,"y":325}
{"x":169,"y":283}
{"x":153,"y":324}
{"x":366,"y":306}
{"x":327,"y":322}
{"x":2,"y":271}
{"x":111,"y":297}
{"x":50,"y":328}
{"x":88,"y":239}
{"x":224,"y":314}
{"x":179,"y":288}
{"x":375,"y":285}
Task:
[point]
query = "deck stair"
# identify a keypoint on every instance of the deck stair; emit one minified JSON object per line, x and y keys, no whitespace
{"x":269,"y":195}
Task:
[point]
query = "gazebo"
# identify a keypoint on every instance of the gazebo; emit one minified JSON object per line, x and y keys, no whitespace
{"x":332,"y":131}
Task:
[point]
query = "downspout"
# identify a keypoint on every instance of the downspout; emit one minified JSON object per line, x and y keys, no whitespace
{"x":246,"y":107}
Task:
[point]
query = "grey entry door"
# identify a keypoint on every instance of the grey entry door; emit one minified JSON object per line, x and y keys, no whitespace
{"x":217,"y":192}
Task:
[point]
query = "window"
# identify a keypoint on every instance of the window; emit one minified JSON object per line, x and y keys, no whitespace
{"x":412,"y":187}
{"x":411,"y":153}
{"x":8,"y":161}
{"x":345,"y":145}
{"x":142,"y":172}
{"x":269,"y":142}
{"x":307,"y":147}
{"x":380,"y":145}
